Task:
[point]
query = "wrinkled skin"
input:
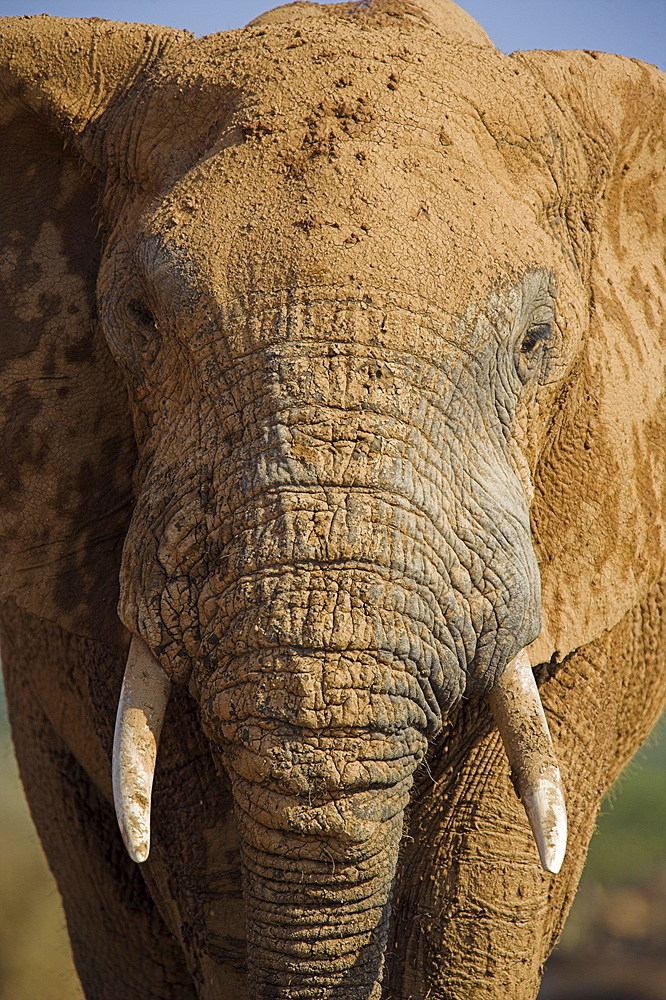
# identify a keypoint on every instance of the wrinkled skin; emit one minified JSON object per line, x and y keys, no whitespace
{"x":334,"y":360}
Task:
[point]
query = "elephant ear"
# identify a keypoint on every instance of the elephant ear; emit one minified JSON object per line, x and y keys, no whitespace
{"x":66,"y":443}
{"x":599,"y":514}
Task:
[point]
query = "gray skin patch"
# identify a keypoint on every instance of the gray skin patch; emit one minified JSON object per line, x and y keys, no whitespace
{"x":320,"y":430}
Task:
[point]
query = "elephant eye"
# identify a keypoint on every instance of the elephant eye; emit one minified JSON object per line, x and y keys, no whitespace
{"x":532,"y":357}
{"x":141,"y":314}
{"x":535,"y":336}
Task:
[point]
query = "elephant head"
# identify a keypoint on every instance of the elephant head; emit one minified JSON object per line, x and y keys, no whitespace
{"x":347,"y":329}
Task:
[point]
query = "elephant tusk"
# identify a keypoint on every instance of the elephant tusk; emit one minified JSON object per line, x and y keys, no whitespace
{"x":518,"y":712}
{"x":141,"y":708}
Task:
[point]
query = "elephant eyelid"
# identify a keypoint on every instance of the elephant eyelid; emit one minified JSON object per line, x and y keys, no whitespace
{"x":141,"y":314}
{"x":537,"y":334}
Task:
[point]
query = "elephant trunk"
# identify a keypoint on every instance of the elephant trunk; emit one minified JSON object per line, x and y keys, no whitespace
{"x":362,"y":569}
{"x":317,"y":905}
{"x":320,"y":810}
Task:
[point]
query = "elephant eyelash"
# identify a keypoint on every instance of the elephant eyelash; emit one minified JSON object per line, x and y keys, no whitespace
{"x":142,"y":314}
{"x":538,"y":334}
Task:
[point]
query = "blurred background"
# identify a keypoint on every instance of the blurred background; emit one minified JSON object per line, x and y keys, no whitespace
{"x":614,"y":943}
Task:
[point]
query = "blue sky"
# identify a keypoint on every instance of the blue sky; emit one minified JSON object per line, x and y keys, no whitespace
{"x":630,"y":27}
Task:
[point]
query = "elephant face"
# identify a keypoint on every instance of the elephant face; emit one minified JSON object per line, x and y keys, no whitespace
{"x":340,"y":376}
{"x":344,"y":292}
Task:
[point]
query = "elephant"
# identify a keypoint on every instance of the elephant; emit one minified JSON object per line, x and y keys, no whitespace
{"x":333,"y":389}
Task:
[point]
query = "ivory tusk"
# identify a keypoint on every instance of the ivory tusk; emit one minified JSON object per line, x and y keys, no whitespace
{"x":141,"y":708}
{"x":518,"y":712}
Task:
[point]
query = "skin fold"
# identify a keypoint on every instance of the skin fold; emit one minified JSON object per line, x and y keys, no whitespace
{"x":332,"y":368}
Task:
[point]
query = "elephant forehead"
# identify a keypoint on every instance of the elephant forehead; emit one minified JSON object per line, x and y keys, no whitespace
{"x":393,"y":220}
{"x":327,"y":147}
{"x":444,"y":15}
